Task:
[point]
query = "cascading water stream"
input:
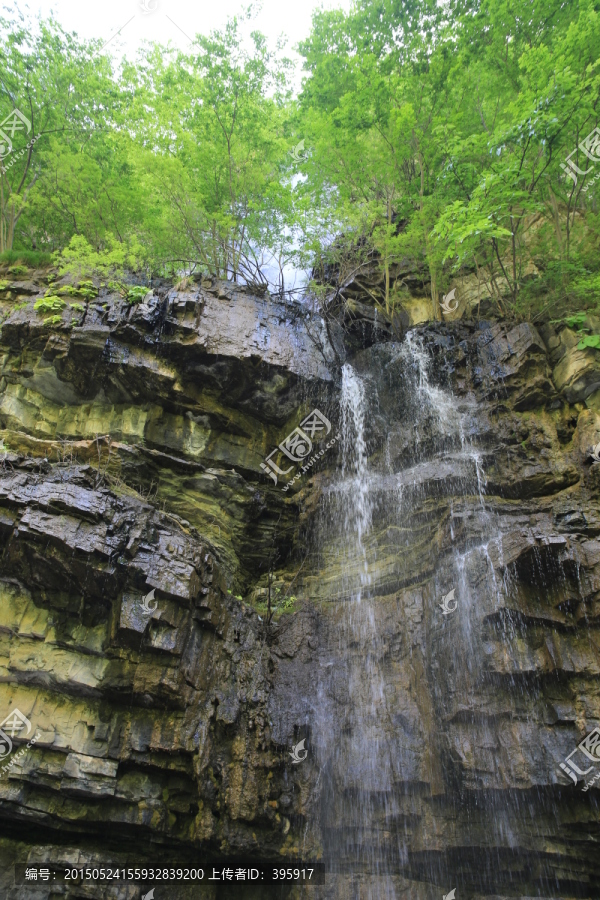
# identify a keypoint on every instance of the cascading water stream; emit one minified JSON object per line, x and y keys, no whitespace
{"x":359,"y":777}
{"x":375,"y":728}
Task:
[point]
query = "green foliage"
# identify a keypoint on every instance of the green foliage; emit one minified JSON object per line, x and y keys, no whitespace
{"x":577,"y":321}
{"x":136,"y":294}
{"x":18,"y":270}
{"x":118,"y":287}
{"x":4,"y":285}
{"x":30,"y":258}
{"x":78,"y":307}
{"x":53,"y":320}
{"x":49,"y":304}
{"x":81,"y":258}
{"x":286,"y":605}
{"x":440,"y":138}
{"x":280,"y":603}
{"x":84,"y":289}
{"x":590,"y":340}
{"x":434,"y":136}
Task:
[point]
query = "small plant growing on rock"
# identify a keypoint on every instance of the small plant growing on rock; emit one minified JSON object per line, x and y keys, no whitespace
{"x":49,"y":304}
{"x":53,"y":320}
{"x":78,"y":307}
{"x":276,"y":602}
{"x":131,"y":295}
{"x":136,"y":294}
{"x":577,"y":322}
{"x":18,"y":270}
{"x":87,"y":289}
{"x":590,"y":340}
{"x":118,"y":287}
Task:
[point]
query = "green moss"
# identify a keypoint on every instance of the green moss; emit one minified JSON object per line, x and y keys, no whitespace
{"x":14,"y":309}
{"x":53,"y":320}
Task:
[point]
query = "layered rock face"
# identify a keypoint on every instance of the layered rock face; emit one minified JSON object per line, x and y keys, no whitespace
{"x":137,"y":534}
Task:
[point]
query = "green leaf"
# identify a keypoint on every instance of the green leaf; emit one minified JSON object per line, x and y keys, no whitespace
{"x":576,"y":321}
{"x":590,"y":340}
{"x":49,"y":304}
{"x":136,"y":294}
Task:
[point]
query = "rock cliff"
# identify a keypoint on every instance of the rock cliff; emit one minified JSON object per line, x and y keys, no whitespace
{"x":137,"y":537}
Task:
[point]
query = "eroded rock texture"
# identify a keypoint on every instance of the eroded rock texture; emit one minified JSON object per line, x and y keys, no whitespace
{"x":133,"y":440}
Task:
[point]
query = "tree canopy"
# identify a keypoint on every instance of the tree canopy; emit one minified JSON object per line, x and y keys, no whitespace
{"x":462,"y":136}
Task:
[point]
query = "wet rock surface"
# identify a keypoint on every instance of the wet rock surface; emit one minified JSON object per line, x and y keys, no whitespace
{"x":131,"y":465}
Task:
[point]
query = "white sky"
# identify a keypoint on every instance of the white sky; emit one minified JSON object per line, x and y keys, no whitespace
{"x":173,"y":21}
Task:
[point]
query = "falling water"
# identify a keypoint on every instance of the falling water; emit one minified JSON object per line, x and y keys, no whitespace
{"x":401,"y":688}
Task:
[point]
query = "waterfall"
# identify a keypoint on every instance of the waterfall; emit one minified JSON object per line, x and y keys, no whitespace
{"x":414,"y":547}
{"x":357,"y":517}
{"x":358,"y":781}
